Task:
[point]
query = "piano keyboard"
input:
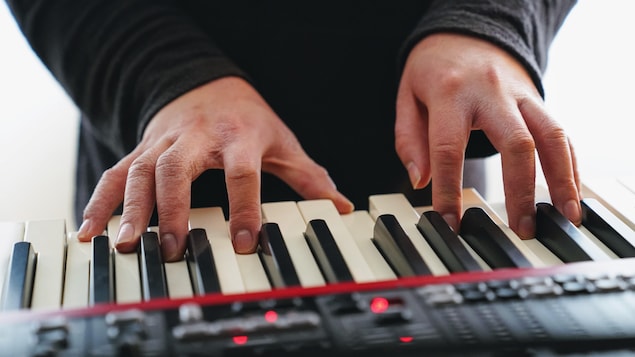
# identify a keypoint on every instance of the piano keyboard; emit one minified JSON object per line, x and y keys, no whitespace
{"x":304,"y":246}
{"x":393,"y":240}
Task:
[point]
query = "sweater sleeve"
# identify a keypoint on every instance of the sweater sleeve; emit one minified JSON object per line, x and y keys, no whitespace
{"x":120,"y":60}
{"x":525,"y":28}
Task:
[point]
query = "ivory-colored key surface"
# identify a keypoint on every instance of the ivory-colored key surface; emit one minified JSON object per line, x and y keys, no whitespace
{"x":253,"y":273}
{"x":212,"y":220}
{"x":325,"y":209}
{"x":399,"y":206}
{"x":615,"y":195}
{"x":292,"y":225}
{"x":77,"y":280}
{"x":361,"y":225}
{"x":127,"y":278}
{"x":177,"y":276}
{"x":49,"y":241}
{"x":10,"y":233}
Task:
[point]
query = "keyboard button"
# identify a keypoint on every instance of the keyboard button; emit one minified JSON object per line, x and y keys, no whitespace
{"x":292,"y":226}
{"x":609,"y":229}
{"x":213,"y":221}
{"x":563,"y":238}
{"x":102,"y":289}
{"x":49,"y":241}
{"x":326,"y":252}
{"x":398,"y":248}
{"x":10,"y":233}
{"x":361,"y":225}
{"x":77,"y":279}
{"x":446,"y":243}
{"x":398,"y":206}
{"x":19,"y":284}
{"x":153,"y":281}
{"x":128,"y":278}
{"x":200,"y":261}
{"x":325,"y":210}
{"x":489,"y":241}
{"x":275,"y":257}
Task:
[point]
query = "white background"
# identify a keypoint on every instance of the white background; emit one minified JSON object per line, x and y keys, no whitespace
{"x":589,"y":89}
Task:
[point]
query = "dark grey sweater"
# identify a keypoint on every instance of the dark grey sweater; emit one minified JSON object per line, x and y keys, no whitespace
{"x":329,"y":69}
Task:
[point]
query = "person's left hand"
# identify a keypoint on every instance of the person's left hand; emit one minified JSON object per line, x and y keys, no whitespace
{"x":452,"y":84}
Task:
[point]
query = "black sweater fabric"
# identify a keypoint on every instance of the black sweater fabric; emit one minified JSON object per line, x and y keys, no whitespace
{"x":329,"y":69}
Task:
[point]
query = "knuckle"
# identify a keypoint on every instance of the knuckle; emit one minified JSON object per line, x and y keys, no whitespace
{"x":141,"y":167}
{"x":451,"y":81}
{"x":447,"y":153}
{"x":170,"y":162}
{"x":243,"y":171}
{"x":520,"y":142}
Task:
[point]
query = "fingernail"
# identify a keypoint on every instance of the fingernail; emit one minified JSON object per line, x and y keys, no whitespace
{"x":126,"y":234}
{"x":82,"y":232}
{"x":414,"y":175}
{"x":572,"y":211}
{"x":526,"y":227}
{"x":168,"y":246}
{"x":452,"y":221}
{"x":243,"y":241}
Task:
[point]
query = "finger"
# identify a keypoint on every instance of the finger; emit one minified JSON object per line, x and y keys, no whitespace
{"x":307,"y":178}
{"x":138,"y":199}
{"x":411,"y":137}
{"x":242,"y":178}
{"x":449,"y":131}
{"x":175,"y":172}
{"x":576,"y":173}
{"x":556,"y":158}
{"x":511,"y":137}
{"x":106,"y":197}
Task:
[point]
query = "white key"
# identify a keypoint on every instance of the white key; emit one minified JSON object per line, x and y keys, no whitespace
{"x":77,"y":280}
{"x":598,"y":243}
{"x":628,"y":182}
{"x":213,"y":221}
{"x":48,"y":239}
{"x":253,"y":273}
{"x":613,"y":194}
{"x":361,"y":225}
{"x":325,"y":209}
{"x":251,"y":270}
{"x":127,"y":278}
{"x":537,"y":254}
{"x":10,"y":233}
{"x":292,"y":227}
{"x":177,"y":276}
{"x":398,"y":205}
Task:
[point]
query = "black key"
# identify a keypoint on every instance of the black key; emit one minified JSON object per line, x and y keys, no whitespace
{"x":200,"y":263}
{"x":564,"y":240}
{"x":326,"y":252}
{"x":275,"y":257}
{"x":609,"y":229}
{"x":102,"y":288}
{"x":19,"y":284}
{"x":153,"y":283}
{"x":489,"y":241}
{"x":397,"y":248}
{"x":446,"y":244}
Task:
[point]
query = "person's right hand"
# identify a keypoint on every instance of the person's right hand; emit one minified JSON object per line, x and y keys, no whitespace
{"x":224,"y":124}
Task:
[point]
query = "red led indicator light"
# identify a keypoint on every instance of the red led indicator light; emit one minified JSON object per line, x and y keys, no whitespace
{"x":271,"y":316}
{"x":379,"y":305}
{"x":240,"y":340}
{"x":406,"y":339}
